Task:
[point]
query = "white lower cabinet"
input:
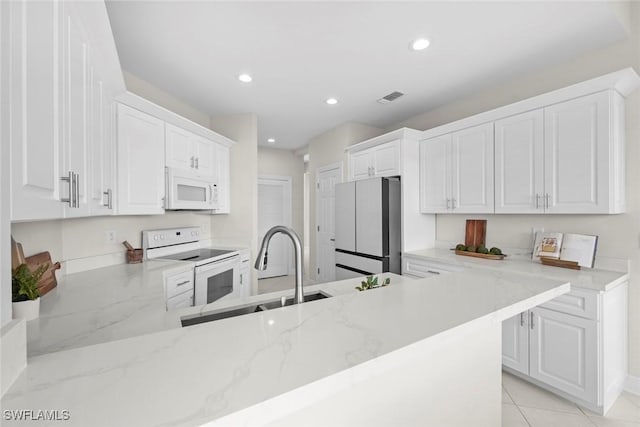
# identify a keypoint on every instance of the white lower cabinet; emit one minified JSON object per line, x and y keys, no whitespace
{"x":418,"y":268}
{"x":179,"y":289}
{"x":245,"y":275}
{"x":580,"y":355}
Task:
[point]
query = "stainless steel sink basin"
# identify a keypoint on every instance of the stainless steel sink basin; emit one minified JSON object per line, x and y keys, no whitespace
{"x":247,"y":309}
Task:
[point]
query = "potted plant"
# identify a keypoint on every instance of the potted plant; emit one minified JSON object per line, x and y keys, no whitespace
{"x":25,"y":294}
{"x":372,"y":283}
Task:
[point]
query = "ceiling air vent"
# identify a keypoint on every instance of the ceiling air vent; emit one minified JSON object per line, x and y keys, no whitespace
{"x":390,"y":97}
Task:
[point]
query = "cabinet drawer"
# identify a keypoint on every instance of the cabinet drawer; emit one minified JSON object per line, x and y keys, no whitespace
{"x":420,"y":268}
{"x":180,"y":301}
{"x":577,"y":302}
{"x":179,"y":283}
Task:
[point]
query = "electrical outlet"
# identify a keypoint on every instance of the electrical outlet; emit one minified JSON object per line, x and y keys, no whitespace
{"x":111,"y":236}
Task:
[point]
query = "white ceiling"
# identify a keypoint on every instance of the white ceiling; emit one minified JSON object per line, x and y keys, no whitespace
{"x":300,"y":53}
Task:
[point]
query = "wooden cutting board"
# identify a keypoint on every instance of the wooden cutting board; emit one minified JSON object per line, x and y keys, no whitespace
{"x":48,"y":279}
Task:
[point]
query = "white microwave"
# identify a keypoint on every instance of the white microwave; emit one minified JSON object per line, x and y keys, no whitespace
{"x":187,"y":190}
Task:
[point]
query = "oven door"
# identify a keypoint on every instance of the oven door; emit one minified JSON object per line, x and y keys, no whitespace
{"x":188,"y":190}
{"x":217,"y":280}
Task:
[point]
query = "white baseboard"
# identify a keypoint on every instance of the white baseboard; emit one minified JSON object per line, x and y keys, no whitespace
{"x":632,"y":384}
{"x":13,"y":339}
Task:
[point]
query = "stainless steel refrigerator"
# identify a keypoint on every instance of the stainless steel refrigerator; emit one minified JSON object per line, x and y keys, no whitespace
{"x":367,"y":227}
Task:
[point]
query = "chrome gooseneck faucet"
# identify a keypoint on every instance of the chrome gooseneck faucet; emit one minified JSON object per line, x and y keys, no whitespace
{"x":261,"y":261}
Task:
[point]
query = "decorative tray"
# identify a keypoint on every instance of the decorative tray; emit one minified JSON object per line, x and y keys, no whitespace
{"x":477,"y":255}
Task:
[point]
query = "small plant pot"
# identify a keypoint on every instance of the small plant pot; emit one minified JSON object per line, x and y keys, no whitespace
{"x":27,"y":310}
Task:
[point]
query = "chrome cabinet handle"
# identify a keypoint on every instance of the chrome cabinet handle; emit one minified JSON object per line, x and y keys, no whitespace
{"x":537,"y":201}
{"x":192,"y":161}
{"x":522,"y":319}
{"x":453,"y":203}
{"x":433,"y":272}
{"x":186,"y":282}
{"x":333,"y":240}
{"x":76,"y":190}
{"x":109,"y":203}
{"x":448,"y":201}
{"x":69,"y":180}
{"x":531,"y":319}
{"x":197,"y":162}
{"x":546,"y":201}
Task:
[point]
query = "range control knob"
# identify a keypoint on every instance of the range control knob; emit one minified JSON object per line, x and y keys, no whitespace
{"x":162,"y":237}
{"x":155,"y":237}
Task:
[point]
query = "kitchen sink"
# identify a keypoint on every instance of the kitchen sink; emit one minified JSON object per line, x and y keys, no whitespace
{"x":247,"y":309}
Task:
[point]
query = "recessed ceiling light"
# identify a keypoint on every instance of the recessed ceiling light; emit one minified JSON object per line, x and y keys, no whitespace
{"x":245,"y":78}
{"x":271,"y":141}
{"x":331,"y":101}
{"x":420,"y":44}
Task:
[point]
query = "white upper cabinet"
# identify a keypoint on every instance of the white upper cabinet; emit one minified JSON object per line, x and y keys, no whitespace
{"x":519,"y":163}
{"x":223,"y":172}
{"x":456,"y":172}
{"x":435,"y":174}
{"x":140,"y":166}
{"x":75,"y":138}
{"x":379,"y":160}
{"x":33,"y":93}
{"x":54,"y":89}
{"x":583,"y":151}
{"x":188,"y":151}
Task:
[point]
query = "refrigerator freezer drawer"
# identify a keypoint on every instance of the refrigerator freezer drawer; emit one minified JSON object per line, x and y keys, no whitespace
{"x":343,"y":273}
{"x":362,"y":264}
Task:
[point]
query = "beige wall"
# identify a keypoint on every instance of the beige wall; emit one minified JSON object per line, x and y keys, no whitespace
{"x":272,"y":161}
{"x":241,"y":226}
{"x":324,"y":150}
{"x":164,"y":99}
{"x":619,"y":234}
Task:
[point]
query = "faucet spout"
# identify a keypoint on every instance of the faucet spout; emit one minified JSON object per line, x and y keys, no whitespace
{"x":261,"y":261}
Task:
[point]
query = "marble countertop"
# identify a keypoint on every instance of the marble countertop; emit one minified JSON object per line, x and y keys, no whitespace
{"x":216,"y":370}
{"x":594,"y":279}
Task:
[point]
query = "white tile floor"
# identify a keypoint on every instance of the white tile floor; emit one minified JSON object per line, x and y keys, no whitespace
{"x":526,"y":405}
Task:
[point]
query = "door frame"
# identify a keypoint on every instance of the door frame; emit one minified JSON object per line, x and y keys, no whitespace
{"x":288,"y":210}
{"x":322,"y":169}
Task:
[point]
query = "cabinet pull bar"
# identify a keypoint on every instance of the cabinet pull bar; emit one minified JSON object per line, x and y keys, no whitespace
{"x":531,"y":319}
{"x":546,"y":199}
{"x":522,"y":319}
{"x":197,"y":162}
{"x":192,"y":161}
{"x":186,"y":282}
{"x":448,"y":204}
{"x":68,"y":180}
{"x":537,"y":201}
{"x":109,"y":203}
{"x":433,"y":272}
{"x":76,"y":190}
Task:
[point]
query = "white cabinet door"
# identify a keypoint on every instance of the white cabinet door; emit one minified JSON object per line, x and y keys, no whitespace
{"x":515,"y":343}
{"x":519,"y":163}
{"x":180,"y":147}
{"x":576,"y":145}
{"x":32,"y":58}
{"x":385,"y":159}
{"x":245,"y":281}
{"x":564,"y":352}
{"x":98,"y":144}
{"x":223,"y":166}
{"x":75,"y":91}
{"x":435,"y":174}
{"x":360,"y":165}
{"x":205,"y":154}
{"x":472,"y":170}
{"x":140,"y":170}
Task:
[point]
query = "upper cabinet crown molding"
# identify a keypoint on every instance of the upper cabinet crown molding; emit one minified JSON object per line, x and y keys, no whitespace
{"x":402,"y":133}
{"x":623,"y":81}
{"x":144,"y":105}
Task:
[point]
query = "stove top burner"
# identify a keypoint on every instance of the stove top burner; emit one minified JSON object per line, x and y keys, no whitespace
{"x":201,"y":254}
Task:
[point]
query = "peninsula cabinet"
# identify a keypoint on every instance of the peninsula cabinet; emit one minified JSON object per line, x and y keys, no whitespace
{"x":565,"y":158}
{"x":456,"y":172}
{"x":574,"y":345}
{"x":140,"y":165}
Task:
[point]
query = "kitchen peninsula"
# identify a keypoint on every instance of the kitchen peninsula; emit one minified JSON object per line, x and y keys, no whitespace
{"x":390,"y":356}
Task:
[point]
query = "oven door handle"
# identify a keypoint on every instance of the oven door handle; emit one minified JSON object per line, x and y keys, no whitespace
{"x":233,"y":261}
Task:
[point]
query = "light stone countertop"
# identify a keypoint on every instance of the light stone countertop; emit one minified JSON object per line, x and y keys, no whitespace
{"x":229,"y":368}
{"x":593,"y":279}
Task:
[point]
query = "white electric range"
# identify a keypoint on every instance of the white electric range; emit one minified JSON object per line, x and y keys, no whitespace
{"x":216,"y":272}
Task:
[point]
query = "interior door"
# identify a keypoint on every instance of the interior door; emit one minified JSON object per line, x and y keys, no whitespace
{"x":326,"y":180}
{"x":274,"y":208}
